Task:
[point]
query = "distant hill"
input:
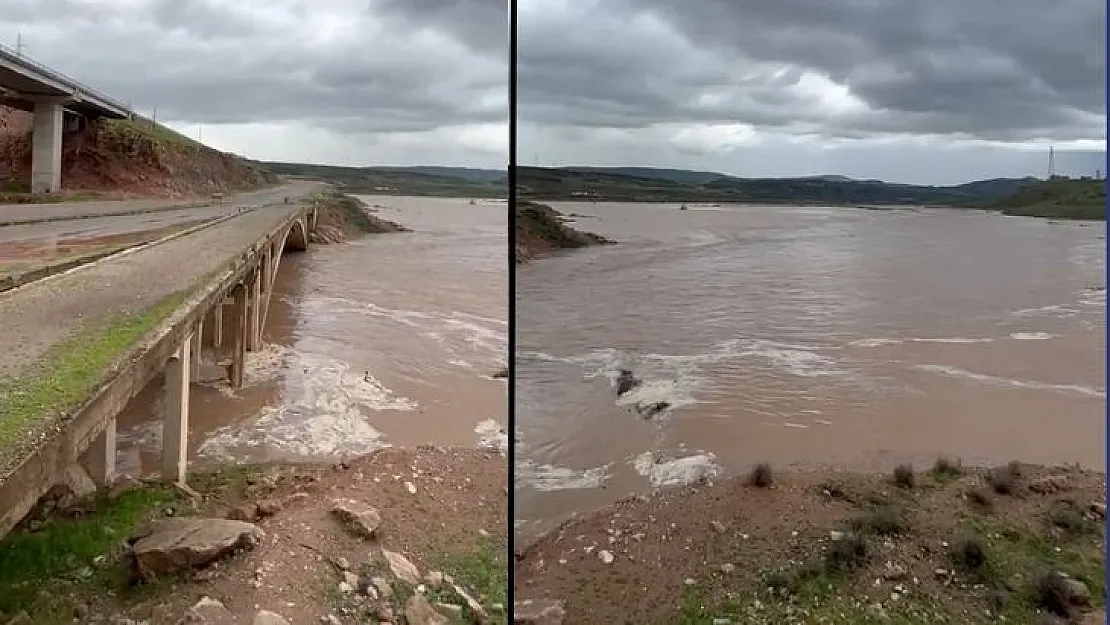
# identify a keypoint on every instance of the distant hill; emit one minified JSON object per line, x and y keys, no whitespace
{"x":675,"y":185}
{"x":390,"y":180}
{"x":1059,"y":198}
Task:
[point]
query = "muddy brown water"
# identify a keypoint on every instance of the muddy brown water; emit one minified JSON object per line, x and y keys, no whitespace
{"x":385,"y":340}
{"x":807,"y":337}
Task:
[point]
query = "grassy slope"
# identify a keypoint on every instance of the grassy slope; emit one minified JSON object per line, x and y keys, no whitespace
{"x":430,"y":181}
{"x":639,"y":184}
{"x":1057,"y":199}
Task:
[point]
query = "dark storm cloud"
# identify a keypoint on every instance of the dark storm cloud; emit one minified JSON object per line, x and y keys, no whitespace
{"x":1008,"y":70}
{"x":347,"y":65}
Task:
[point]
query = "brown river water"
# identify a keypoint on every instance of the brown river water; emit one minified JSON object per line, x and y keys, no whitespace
{"x":385,"y":340}
{"x":809,"y":337}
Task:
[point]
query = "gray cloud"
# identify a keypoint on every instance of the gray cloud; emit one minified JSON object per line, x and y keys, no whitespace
{"x":353,"y":67}
{"x":1007,"y":71}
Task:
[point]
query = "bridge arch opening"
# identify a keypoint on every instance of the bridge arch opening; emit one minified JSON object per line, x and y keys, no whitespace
{"x":297,"y":239}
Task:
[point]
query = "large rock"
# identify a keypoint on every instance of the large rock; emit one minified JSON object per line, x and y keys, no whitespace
{"x":210,"y":612}
{"x":361,"y":519}
{"x":538,"y":612}
{"x":177,"y":544}
{"x":419,"y":612}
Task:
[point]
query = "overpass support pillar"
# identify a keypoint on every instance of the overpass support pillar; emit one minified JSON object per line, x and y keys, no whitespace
{"x":100,"y":458}
{"x":175,"y":419}
{"x":46,"y":147}
{"x":254,"y":323}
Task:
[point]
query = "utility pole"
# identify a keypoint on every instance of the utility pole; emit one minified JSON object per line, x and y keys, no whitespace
{"x":19,"y":44}
{"x":1051,"y":162}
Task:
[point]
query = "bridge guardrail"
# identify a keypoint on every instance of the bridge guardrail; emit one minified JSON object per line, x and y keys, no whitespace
{"x":68,"y":81}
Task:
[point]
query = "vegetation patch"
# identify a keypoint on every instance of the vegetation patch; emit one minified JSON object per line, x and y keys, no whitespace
{"x":48,"y":568}
{"x":71,"y":370}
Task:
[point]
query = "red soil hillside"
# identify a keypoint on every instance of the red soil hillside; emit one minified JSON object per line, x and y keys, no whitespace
{"x":135,"y":157}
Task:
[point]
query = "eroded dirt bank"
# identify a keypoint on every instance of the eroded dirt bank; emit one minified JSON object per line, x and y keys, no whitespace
{"x":124,"y":158}
{"x":1015,"y":544}
{"x":540,"y":230}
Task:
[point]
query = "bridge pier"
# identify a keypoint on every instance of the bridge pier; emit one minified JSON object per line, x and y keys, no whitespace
{"x":254,"y":326}
{"x":46,"y":146}
{"x":100,"y":458}
{"x":239,"y":329}
{"x":175,"y":419}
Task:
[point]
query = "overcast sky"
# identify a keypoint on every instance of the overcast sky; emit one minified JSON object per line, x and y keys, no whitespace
{"x":333,"y":81}
{"x":937,"y":91}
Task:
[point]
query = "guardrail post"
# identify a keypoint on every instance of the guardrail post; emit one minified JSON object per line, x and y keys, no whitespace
{"x":175,"y":419}
{"x":239,"y":335}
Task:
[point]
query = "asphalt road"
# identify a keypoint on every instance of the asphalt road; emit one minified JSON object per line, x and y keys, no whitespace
{"x":163,"y":215}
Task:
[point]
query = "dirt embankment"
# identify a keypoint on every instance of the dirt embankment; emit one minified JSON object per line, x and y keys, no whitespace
{"x":540,"y":230}
{"x":399,"y":536}
{"x":341,"y":217}
{"x":124,"y":158}
{"x":1014,"y":544}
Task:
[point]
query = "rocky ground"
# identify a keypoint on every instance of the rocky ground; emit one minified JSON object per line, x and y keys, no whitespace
{"x":1015,"y":544}
{"x":399,"y":536}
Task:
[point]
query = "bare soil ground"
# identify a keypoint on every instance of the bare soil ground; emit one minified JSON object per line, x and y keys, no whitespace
{"x":454,"y":523}
{"x":947,"y":546}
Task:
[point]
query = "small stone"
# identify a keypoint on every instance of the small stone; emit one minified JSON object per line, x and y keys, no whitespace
{"x":941,"y":573}
{"x":384,"y":589}
{"x":690,"y":581}
{"x":350,"y":578}
{"x":538,"y":612}
{"x":343,"y":563}
{"x":207,"y":610}
{"x":409,"y":486}
{"x":346,"y":588}
{"x":332,"y":619}
{"x":402,"y":567}
{"x":434,"y":578}
{"x":894,"y":572}
{"x":451,"y":609}
{"x":419,"y":612}
{"x":268,"y":507}
{"x":727,"y":568}
{"x":605,"y":556}
{"x":266,"y":617}
{"x":361,"y":519}
{"x":718,"y":527}
{"x":245,"y":512}
{"x":1078,"y":595}
{"x":1099,"y":509}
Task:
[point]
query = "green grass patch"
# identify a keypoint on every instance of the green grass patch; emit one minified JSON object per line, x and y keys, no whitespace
{"x":481,"y":571}
{"x":72,"y":369}
{"x":45,"y":571}
{"x":1014,"y":554}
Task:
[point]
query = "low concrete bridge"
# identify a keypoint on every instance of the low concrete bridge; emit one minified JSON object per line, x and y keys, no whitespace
{"x":49,"y":94}
{"x":230,"y":268}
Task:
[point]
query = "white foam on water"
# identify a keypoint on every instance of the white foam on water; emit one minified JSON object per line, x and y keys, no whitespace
{"x":876,"y":342}
{"x":1093,"y":297}
{"x":663,"y":470}
{"x":957,"y":340}
{"x":492,"y":436}
{"x":1054,"y":310}
{"x":1032,"y":336}
{"x":546,"y":477}
{"x":954,"y":340}
{"x":321,"y":414}
{"x":1001,"y":381}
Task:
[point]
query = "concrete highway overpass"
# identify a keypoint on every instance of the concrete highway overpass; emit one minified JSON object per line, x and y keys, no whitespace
{"x":50,"y":95}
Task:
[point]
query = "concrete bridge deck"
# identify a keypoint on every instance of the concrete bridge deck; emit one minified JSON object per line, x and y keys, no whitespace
{"x":79,"y":345}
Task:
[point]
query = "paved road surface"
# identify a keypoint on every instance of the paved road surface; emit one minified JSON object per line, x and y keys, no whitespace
{"x":33,"y":212}
{"x":126,"y":224}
